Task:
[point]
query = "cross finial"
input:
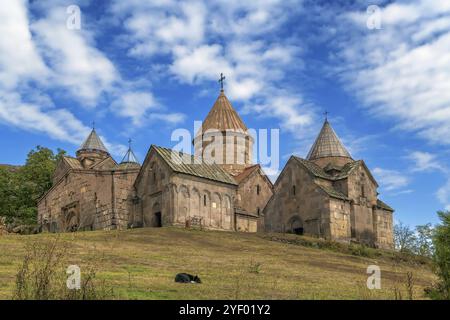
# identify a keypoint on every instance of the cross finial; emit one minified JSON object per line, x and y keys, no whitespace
{"x":326,"y":115}
{"x":129,"y":143}
{"x":93,"y":125}
{"x":222,"y":78}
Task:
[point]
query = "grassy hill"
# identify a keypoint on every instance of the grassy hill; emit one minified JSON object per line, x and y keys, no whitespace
{"x":142,"y":264}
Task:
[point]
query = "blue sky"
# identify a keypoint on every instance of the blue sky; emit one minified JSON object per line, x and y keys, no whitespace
{"x":141,"y":69}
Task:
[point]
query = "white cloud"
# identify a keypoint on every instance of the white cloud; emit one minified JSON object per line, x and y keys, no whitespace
{"x":78,"y":66}
{"x":425,"y":161}
{"x":40,"y":55}
{"x":391,"y":180}
{"x":134,"y":105}
{"x":18,"y":55}
{"x":60,"y":124}
{"x":228,"y":37}
{"x":401,"y":71}
{"x":142,"y":107}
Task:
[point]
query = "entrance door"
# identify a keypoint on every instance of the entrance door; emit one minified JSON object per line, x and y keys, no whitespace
{"x":158,"y":220}
{"x":296,"y":225}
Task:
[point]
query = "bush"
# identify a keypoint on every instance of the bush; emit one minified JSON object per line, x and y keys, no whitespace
{"x":441,"y":258}
{"x":42,"y":275}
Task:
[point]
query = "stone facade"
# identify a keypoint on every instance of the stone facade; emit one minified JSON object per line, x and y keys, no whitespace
{"x":93,"y":192}
{"x":168,"y":196}
{"x":329,"y":195}
{"x":88,"y":199}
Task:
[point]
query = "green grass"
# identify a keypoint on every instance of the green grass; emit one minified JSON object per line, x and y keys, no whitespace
{"x":142,"y":264}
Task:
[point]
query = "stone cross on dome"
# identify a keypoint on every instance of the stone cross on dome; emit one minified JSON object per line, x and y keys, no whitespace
{"x":221,"y":80}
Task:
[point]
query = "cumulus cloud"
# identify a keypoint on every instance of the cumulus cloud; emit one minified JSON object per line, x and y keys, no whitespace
{"x":15,"y":64}
{"x":53,"y":58}
{"x":204,"y":38}
{"x":76,"y":63}
{"x":400,"y":72}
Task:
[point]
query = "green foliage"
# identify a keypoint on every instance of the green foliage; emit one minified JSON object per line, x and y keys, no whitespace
{"x":441,"y":241}
{"x":416,"y":241}
{"x":404,"y":238}
{"x":424,"y":240}
{"x":22,"y":187}
{"x":42,"y":275}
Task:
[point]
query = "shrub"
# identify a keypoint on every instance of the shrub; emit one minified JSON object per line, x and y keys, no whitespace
{"x":42,"y":275}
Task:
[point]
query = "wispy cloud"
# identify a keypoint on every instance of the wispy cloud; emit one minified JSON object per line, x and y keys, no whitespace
{"x":202,"y":38}
{"x":391,"y":180}
{"x":425,"y":161}
{"x":400,"y":72}
{"x":53,"y":58}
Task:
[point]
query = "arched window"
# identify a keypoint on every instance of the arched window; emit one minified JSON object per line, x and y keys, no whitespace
{"x":258,"y":211}
{"x":258,"y":189}
{"x":204,"y":200}
{"x":293,"y":190}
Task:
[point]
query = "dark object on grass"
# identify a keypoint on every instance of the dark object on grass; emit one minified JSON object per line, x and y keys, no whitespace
{"x":187,"y":278}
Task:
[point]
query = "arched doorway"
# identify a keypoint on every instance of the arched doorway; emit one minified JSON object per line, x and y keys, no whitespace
{"x":157,"y":216}
{"x":72,"y":221}
{"x":296,"y":225}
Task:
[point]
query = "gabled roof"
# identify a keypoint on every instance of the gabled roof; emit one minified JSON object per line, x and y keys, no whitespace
{"x":73,"y":163}
{"x":194,"y":167}
{"x":327,"y":144}
{"x":333,"y":192}
{"x":93,"y":142}
{"x":246,"y":173}
{"x":223,"y":117}
{"x":318,"y":172}
{"x":382,"y":205}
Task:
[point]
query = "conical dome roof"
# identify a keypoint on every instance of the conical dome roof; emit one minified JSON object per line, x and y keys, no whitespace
{"x":223,"y":117}
{"x":129,"y":160}
{"x":93,"y":142}
{"x":327,"y":144}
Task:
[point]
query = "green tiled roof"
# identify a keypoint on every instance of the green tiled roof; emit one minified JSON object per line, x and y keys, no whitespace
{"x":203,"y":170}
{"x":333,"y":192}
{"x":314,"y":168}
{"x":382,"y":205}
{"x":320,"y":173}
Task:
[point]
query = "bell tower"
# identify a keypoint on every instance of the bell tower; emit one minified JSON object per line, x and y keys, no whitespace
{"x":92,"y":151}
{"x":328,"y":150}
{"x":223,"y":138}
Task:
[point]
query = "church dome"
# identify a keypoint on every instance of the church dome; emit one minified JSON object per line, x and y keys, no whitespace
{"x":93,"y":143}
{"x":223,"y":117}
{"x":328,"y":147}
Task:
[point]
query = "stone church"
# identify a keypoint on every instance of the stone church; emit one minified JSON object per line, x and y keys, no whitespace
{"x":91,"y":191}
{"x":327,"y":195}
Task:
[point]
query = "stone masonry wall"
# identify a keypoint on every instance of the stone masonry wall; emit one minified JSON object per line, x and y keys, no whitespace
{"x":250,"y":200}
{"x":307,"y":206}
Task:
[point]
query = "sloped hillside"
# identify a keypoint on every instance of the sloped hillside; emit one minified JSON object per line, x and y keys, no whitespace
{"x":142,"y":264}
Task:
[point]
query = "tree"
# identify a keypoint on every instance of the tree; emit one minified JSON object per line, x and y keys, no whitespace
{"x":441,"y":257}
{"x":20,"y":189}
{"x":424,"y":240}
{"x":404,"y":238}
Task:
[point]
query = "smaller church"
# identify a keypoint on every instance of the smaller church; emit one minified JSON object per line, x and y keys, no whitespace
{"x":328,"y":195}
